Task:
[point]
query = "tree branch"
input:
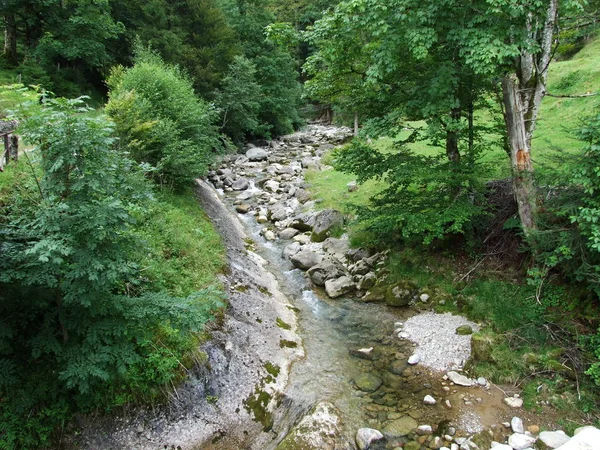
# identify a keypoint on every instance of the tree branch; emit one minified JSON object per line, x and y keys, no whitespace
{"x":590,"y":94}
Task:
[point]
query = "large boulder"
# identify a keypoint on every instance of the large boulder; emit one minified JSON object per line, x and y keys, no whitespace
{"x":276,"y":212}
{"x":321,"y":430}
{"x":585,"y":438}
{"x":305,"y":259}
{"x":325,"y":222}
{"x":554,"y":439}
{"x":368,"y":382}
{"x":325,"y":271}
{"x":257,"y":154}
{"x":241,"y":184}
{"x":336,"y":247}
{"x":339,"y":286}
{"x":400,"y":294}
{"x":291,"y":250}
{"x":304,"y":222}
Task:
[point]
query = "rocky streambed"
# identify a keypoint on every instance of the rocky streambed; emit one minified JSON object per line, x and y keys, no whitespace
{"x":318,"y":349}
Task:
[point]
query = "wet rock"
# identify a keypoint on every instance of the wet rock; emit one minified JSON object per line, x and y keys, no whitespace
{"x":519,"y":441}
{"x":318,"y":431}
{"x":288,"y":233}
{"x":400,"y":427}
{"x":269,"y":235}
{"x":460,"y":379}
{"x":398,"y":367}
{"x":464,"y":330}
{"x":368,"y":382}
{"x":429,"y":400}
{"x":241,"y":184}
{"x":516,"y":424}
{"x":291,"y":250}
{"x":366,"y":436}
{"x":400,"y":294}
{"x":339,"y":286}
{"x":305,"y":259}
{"x":554,"y":439}
{"x":326,"y":270}
{"x":513,"y":402}
{"x":243,"y":208}
{"x":367,"y":353}
{"x":257,"y":154}
{"x":325,"y":222}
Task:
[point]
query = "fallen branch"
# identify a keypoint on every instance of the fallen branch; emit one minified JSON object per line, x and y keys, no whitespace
{"x":589,"y":94}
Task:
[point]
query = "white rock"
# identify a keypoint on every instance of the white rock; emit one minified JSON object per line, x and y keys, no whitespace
{"x":499,"y":446}
{"x":270,"y":236}
{"x":519,"y":441}
{"x":481,"y":381}
{"x":554,"y":439}
{"x":513,"y":402}
{"x":516,"y":424}
{"x":424,"y":298}
{"x":366,"y":436}
{"x":460,"y":379}
{"x":588,"y":438}
{"x":424,"y":430}
{"x":429,"y":400}
{"x":414,"y":359}
{"x":453,"y":446}
{"x":403,"y":335}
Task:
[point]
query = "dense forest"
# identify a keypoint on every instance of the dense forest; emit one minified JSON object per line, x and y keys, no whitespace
{"x":121,"y":104}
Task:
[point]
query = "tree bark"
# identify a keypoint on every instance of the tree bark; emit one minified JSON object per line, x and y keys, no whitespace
{"x":355,"y":124}
{"x":520,"y":156}
{"x":452,"y":138}
{"x":10,"y":39}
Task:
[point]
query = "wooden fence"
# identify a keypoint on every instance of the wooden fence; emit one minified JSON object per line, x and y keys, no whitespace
{"x":11,"y":142}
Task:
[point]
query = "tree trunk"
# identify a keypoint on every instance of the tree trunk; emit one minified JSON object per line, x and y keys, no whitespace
{"x":355,"y":124}
{"x":522,"y":168}
{"x":452,"y":138}
{"x":10,"y":39}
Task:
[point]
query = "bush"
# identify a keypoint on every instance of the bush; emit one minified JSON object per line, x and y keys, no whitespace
{"x":161,"y":121}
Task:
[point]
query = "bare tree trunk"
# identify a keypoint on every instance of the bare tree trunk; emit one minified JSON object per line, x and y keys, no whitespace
{"x":520,"y":156}
{"x":452,"y":138}
{"x":10,"y":39}
{"x":356,"y":124}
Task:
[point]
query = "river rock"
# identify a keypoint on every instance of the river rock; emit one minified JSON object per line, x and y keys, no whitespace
{"x":242,"y":208}
{"x":554,"y":439}
{"x":464,"y":330}
{"x":305,"y":259}
{"x":513,"y":402}
{"x":429,"y":400}
{"x":277,"y":212}
{"x":302,"y":195}
{"x":398,"y":367}
{"x":325,"y":271}
{"x":320,"y":430}
{"x":325,"y":221}
{"x":586,"y":439}
{"x":460,"y":379}
{"x":257,"y":154}
{"x":304,"y":222}
{"x":366,"y":436}
{"x":288,"y":233}
{"x":399,"y":294}
{"x":339,"y":286}
{"x":499,"y":446}
{"x":400,"y":427}
{"x":271,"y":185}
{"x":367,"y":282}
{"x":368,"y":382}
{"x":414,"y":359}
{"x":291,"y":250}
{"x":519,"y":441}
{"x":367,"y":353}
{"x":241,"y":184}
{"x":516,"y":424}
{"x":424,"y":430}
{"x":360,"y":268}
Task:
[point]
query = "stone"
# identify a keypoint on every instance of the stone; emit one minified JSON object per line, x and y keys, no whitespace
{"x":302,"y":195}
{"x":352,"y":186}
{"x":464,"y":330}
{"x":360,"y":268}
{"x":516,"y":424}
{"x":460,"y":379}
{"x":375,"y":294}
{"x":271,"y":185}
{"x":339,"y":286}
{"x":262,"y":219}
{"x":356,"y":254}
{"x":398,"y":367}
{"x":554,"y":439}
{"x":585,"y":438}
{"x":519,"y":441}
{"x":326,"y":270}
{"x":533,"y":429}
{"x":429,"y":400}
{"x":304,"y":222}
{"x":400,"y":427}
{"x":424,"y":298}
{"x":241,"y":184}
{"x":291,"y":250}
{"x":499,"y":446}
{"x":399,"y":294}
{"x":367,"y":282}
{"x":257,"y":154}
{"x":423,"y":430}
{"x":481,"y":347}
{"x":288,"y":233}
{"x":325,"y":222}
{"x":336,"y":247}
{"x":321,"y":429}
{"x":513,"y":402}
{"x":269,"y":235}
{"x":243,"y":208}
{"x":414,"y":359}
{"x":366,"y":436}
{"x":368,"y":382}
{"x":277,"y":212}
{"x":481,"y":381}
{"x":305,"y":259}
{"x":363,"y":353}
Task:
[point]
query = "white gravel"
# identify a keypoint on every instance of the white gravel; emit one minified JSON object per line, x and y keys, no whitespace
{"x":438,"y":345}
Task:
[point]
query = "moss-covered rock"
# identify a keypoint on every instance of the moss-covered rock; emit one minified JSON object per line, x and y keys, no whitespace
{"x":319,"y":430}
{"x":400,"y":427}
{"x":368,"y":382}
{"x":464,"y":330}
{"x":400,"y":294}
{"x":481,"y":346}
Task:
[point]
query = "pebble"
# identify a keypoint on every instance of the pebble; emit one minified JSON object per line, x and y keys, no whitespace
{"x":429,"y":400}
{"x":414,"y":359}
{"x":513,"y":402}
{"x":481,"y":381}
{"x":516,"y":424}
{"x":423,"y":430}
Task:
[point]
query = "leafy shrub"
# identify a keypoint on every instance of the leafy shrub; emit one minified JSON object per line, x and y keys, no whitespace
{"x":161,"y":121}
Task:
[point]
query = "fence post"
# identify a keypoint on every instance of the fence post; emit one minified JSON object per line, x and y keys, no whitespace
{"x":14,"y":147}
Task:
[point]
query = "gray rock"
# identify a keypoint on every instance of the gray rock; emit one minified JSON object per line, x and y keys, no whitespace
{"x":241,"y":184}
{"x":356,"y":254}
{"x":288,"y":233}
{"x":586,"y":439}
{"x":366,"y":436}
{"x":339,"y":286}
{"x":336,"y":247}
{"x":304,"y":222}
{"x":269,"y":235}
{"x":424,"y":430}
{"x":257,"y":154}
{"x":399,"y":294}
{"x":499,"y":446}
{"x":519,"y":441}
{"x":291,"y":250}
{"x":302,"y":238}
{"x":554,"y":439}
{"x":516,"y":424}
{"x":319,"y":430}
{"x":326,"y":270}
{"x":224,"y":171}
{"x":360,"y":268}
{"x":481,"y":381}
{"x":305,"y":259}
{"x":277,"y":212}
{"x":460,"y":379}
{"x":400,"y":427}
{"x":302,"y":195}
{"x":243,"y":208}
{"x":367,"y":282}
{"x":429,"y":400}
{"x":368,"y":382}
{"x":325,"y":221}
{"x":352,"y":186}
{"x":271,"y":185}
{"x":310,"y":163}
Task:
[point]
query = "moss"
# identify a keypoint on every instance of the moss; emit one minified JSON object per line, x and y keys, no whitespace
{"x":282,"y":324}
{"x":272,"y":369}
{"x":241,"y":288}
{"x":288,"y":344}
{"x":292,"y":308}
{"x":263,"y":290}
{"x":257,"y":405}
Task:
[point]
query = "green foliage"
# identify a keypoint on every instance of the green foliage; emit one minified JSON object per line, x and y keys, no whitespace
{"x":425,"y":196}
{"x":161,"y":122}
